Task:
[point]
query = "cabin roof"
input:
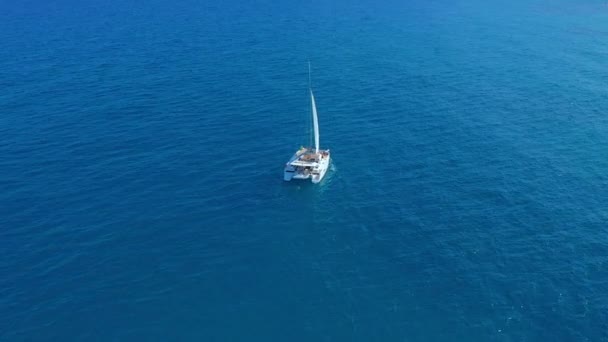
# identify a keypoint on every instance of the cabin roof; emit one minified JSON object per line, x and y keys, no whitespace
{"x":304,"y":163}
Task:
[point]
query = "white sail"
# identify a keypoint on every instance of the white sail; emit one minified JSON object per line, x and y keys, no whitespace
{"x":315,"y":122}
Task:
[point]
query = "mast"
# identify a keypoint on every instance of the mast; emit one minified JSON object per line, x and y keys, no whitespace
{"x":310,"y":131}
{"x":315,"y":120}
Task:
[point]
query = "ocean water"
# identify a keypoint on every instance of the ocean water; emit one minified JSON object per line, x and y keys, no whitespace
{"x":141,"y":154}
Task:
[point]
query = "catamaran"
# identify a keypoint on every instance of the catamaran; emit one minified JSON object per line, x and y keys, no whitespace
{"x":309,"y":162}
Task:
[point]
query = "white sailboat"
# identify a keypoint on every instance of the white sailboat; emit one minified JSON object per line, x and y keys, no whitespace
{"x":309,"y":162}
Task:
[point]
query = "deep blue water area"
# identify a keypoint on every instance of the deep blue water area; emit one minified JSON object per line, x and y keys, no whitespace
{"x":141,"y":153}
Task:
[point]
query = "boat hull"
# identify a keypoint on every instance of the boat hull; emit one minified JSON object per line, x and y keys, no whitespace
{"x":322,"y":169}
{"x":288,"y":173}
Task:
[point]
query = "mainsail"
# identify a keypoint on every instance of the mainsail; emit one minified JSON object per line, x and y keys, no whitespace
{"x":315,"y":122}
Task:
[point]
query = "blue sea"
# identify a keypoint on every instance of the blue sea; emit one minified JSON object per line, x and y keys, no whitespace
{"x":142,"y":146}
